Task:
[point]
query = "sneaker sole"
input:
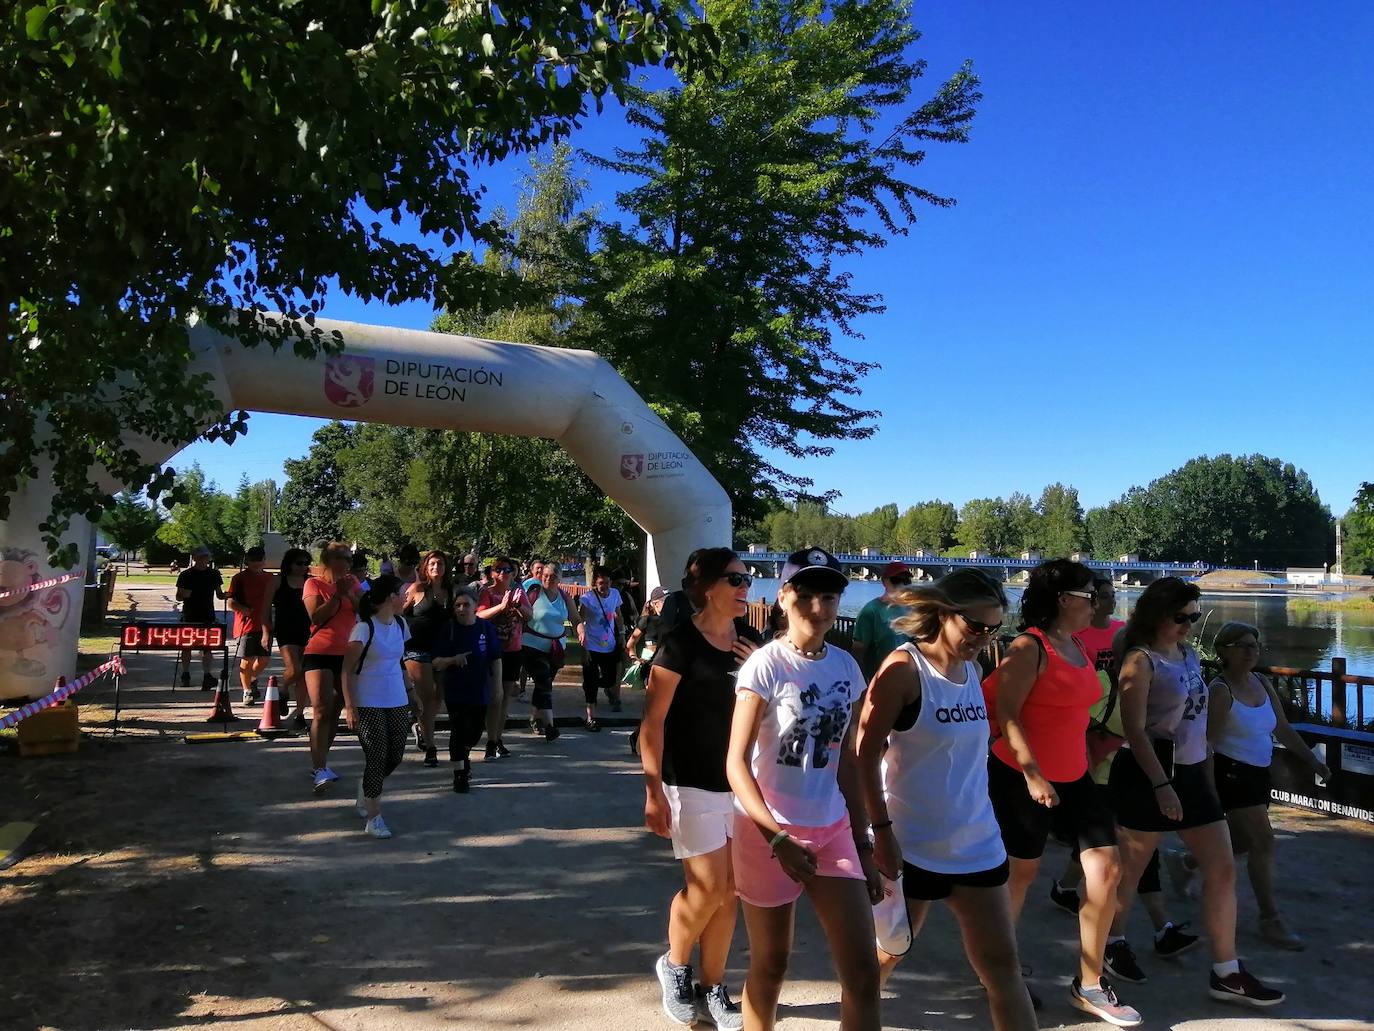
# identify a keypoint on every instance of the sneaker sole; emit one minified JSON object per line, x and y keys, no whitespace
{"x":1083,"y":1004}
{"x":1243,"y":1000}
{"x":1179,"y":952}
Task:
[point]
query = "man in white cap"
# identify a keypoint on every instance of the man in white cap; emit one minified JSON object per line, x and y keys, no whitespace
{"x":874,"y":638}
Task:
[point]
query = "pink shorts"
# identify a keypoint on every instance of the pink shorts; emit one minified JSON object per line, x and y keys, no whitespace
{"x":759,"y":878}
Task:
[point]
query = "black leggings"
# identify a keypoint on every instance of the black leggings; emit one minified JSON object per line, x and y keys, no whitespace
{"x":540,"y":668}
{"x":383,"y":734}
{"x":598,"y":672}
{"x":466,"y":725}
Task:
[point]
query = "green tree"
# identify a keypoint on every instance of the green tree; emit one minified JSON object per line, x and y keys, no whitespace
{"x":373,"y":469}
{"x":201,"y":515}
{"x":754,"y":189}
{"x":1358,"y":530}
{"x":984,"y":526}
{"x":876,"y":529}
{"x":1118,"y":528}
{"x":1022,"y":523}
{"x":1060,"y":530}
{"x":131,"y":523}
{"x":167,"y":161}
{"x":247,"y":513}
{"x":313,"y":500}
{"x":930,"y":524}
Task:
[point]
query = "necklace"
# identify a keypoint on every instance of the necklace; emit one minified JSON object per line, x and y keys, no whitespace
{"x":803,"y":652}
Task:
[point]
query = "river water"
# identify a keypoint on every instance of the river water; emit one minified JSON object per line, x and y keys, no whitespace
{"x":1303,"y":639}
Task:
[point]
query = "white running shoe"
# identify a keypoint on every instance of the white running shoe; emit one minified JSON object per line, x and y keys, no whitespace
{"x":377,"y":827}
{"x":362,"y":806}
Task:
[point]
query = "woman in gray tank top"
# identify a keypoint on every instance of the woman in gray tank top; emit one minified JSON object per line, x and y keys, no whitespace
{"x":922,"y":747}
{"x":1161,"y":780}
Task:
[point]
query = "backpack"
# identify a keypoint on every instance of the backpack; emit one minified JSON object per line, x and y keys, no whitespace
{"x":371,"y":633}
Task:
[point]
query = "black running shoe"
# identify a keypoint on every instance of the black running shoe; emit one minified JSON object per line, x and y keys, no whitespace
{"x":1174,"y":940}
{"x":1065,"y":898}
{"x":1244,"y":988}
{"x":431,"y":757}
{"x":491,"y":750}
{"x":591,"y":726}
{"x":550,"y":732}
{"x":502,"y":750}
{"x":461,"y":784}
{"x":186,"y":680}
{"x":1120,"y":960}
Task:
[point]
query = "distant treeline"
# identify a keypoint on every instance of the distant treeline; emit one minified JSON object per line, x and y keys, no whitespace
{"x":1225,"y":511}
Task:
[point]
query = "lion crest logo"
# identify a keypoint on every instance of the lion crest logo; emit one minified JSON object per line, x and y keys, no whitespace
{"x":349,"y":380}
{"x":631,"y":467}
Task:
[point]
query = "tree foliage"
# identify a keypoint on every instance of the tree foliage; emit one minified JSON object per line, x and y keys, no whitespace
{"x":202,"y":515}
{"x":1358,"y":530}
{"x":313,"y":500}
{"x":168,"y":161}
{"x":130,"y":523}
{"x":722,"y":295}
{"x":1226,"y":511}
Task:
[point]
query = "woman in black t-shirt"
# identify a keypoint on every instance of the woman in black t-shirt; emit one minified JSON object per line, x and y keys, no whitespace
{"x":682,"y":741}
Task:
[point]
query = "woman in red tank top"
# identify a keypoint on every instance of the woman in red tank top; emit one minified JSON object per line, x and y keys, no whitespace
{"x":1038,"y":771}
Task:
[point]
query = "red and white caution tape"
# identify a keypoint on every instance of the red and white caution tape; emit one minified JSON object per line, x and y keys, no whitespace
{"x":40,"y":585}
{"x":64,"y":692}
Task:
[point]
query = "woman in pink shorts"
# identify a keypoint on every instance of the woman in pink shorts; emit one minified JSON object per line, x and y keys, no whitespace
{"x":793,"y":769}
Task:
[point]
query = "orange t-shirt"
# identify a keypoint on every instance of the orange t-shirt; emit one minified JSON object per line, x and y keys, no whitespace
{"x":1054,"y":716}
{"x":250,"y":588}
{"x":331,"y":637}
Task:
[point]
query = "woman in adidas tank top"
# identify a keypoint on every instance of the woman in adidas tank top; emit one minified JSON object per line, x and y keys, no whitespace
{"x":922,"y":745}
{"x":1161,"y":779}
{"x":1038,"y":776}
{"x":1243,"y":718}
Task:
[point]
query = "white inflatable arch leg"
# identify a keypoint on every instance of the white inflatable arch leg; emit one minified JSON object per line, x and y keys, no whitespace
{"x":405,"y":378}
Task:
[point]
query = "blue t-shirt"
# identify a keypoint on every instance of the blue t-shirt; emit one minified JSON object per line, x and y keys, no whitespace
{"x":470,"y":684}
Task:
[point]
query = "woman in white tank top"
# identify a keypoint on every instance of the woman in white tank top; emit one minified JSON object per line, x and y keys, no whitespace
{"x":923,"y":746}
{"x":1243,"y":719}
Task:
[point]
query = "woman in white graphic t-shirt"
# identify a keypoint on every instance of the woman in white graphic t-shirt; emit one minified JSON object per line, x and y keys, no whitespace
{"x":923,"y":746}
{"x":800,"y":823}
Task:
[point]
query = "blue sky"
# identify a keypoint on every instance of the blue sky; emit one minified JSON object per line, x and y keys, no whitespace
{"x":1162,"y":247}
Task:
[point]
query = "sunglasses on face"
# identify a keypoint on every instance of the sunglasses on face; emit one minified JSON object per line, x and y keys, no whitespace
{"x":1247,"y":647}
{"x":738,"y":579}
{"x":1186,"y":617}
{"x":901,"y":581}
{"x":1081,"y":594}
{"x":504,"y":570}
{"x":980,"y":629}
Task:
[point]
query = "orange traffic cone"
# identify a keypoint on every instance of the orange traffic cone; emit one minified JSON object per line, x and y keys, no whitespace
{"x":271,"y":714}
{"x":283,"y":702}
{"x":222,"y":712}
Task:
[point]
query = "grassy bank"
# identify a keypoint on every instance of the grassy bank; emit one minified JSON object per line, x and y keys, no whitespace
{"x":1363,"y":604}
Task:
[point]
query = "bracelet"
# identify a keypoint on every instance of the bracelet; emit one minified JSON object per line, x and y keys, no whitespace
{"x":1156,"y":787}
{"x":881,"y":826}
{"x":777,"y":839}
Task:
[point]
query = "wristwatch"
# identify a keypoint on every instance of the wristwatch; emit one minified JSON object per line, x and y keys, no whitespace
{"x":864,"y":845}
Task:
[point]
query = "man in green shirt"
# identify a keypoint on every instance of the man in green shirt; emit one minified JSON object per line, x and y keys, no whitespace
{"x":874,"y":638}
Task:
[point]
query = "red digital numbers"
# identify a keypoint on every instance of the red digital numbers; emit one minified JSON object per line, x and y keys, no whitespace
{"x":166,"y":636}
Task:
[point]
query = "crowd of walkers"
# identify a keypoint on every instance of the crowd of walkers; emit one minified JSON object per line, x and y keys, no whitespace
{"x":923,"y":772}
{"x":781,"y":765}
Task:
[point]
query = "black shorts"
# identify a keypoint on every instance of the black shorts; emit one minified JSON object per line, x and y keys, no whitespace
{"x":1137,"y":804}
{"x":252,"y":646}
{"x":511,"y":665}
{"x":1239,"y":785}
{"x":1079,"y":817}
{"x":332,"y":663}
{"x":928,"y":886}
{"x":291,"y":640}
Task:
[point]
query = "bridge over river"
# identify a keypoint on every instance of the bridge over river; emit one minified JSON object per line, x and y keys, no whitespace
{"x":867,"y":566}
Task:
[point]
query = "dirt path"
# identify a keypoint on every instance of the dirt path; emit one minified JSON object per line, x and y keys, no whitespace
{"x":202,"y":885}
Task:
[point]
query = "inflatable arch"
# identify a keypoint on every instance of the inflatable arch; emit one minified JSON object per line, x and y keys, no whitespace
{"x":407,"y":378}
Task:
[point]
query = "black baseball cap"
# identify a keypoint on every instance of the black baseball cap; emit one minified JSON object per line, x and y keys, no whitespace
{"x":818,"y":566}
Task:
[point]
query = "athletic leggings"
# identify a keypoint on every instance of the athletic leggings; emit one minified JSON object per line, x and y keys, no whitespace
{"x":383,"y":734}
{"x":540,"y":668}
{"x":598,"y":671}
{"x":466,"y":723}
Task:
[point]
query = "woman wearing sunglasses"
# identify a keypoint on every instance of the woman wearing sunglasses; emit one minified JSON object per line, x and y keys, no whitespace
{"x":682,"y":745}
{"x":1161,"y":778}
{"x":1038,"y":776}
{"x":925,"y":780}
{"x":506,"y":605}
{"x":1243,"y":719}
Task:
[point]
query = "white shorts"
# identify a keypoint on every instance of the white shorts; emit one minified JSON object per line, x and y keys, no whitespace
{"x":702,"y":820}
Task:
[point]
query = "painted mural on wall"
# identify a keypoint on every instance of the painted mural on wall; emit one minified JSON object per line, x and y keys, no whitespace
{"x":30,"y":621}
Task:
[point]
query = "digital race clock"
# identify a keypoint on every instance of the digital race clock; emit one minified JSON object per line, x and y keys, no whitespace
{"x":171,"y":636}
